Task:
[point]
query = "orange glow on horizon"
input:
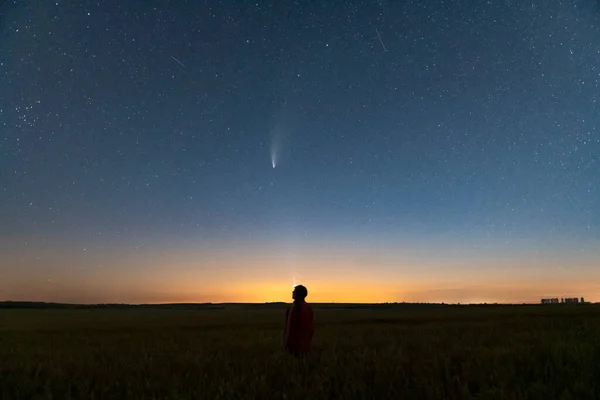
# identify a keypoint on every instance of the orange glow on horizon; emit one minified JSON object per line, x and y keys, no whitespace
{"x":342,"y":275}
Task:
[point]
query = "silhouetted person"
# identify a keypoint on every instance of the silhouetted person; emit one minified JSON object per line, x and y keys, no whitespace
{"x":299,"y":327}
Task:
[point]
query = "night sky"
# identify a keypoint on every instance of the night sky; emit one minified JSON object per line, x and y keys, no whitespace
{"x":175,"y":151}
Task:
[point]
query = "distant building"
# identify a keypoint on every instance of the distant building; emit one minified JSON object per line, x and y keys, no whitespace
{"x":550,"y":301}
{"x":563,"y":300}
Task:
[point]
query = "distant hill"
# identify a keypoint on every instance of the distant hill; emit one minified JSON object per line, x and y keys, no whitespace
{"x":44,"y":305}
{"x":215,"y":306}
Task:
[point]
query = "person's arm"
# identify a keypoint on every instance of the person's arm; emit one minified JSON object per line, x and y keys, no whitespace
{"x":311,"y":324}
{"x":286,"y":327}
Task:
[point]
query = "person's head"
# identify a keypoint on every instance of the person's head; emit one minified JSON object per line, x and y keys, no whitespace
{"x":299,"y":293}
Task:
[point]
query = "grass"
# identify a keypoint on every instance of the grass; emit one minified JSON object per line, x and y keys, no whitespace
{"x":538,"y":352}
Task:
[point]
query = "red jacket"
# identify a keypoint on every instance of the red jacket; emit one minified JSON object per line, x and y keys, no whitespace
{"x":299,"y":327}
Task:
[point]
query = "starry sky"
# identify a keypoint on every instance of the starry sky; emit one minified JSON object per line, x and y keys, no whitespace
{"x":217,"y":151}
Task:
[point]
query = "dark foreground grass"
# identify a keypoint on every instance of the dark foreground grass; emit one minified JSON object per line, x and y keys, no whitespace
{"x":544,"y":353}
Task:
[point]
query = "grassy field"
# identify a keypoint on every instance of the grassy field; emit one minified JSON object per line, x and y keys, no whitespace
{"x":550,"y":352}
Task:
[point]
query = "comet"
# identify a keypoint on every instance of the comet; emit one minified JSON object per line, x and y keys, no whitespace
{"x":277,"y":142}
{"x":274,"y":155}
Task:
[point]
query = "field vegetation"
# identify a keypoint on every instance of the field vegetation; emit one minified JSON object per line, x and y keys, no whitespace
{"x":533,"y":352}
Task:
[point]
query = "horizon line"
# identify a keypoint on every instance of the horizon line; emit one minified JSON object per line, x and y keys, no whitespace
{"x":277,"y":302}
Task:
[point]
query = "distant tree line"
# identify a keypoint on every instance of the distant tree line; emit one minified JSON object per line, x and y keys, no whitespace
{"x":550,"y":301}
{"x":211,"y":306}
{"x":261,"y":306}
{"x":564,"y":300}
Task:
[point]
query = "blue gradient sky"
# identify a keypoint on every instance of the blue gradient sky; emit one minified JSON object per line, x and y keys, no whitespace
{"x":455,"y":160}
